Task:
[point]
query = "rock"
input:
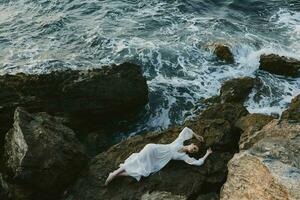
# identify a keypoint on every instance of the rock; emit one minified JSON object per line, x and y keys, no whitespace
{"x":237,"y":90}
{"x":85,"y":98}
{"x":230,"y":112}
{"x":171,"y":178}
{"x":223,"y":53}
{"x":293,"y":112}
{"x":100,"y":141}
{"x":250,"y":124}
{"x":218,"y":134}
{"x":279,"y":65}
{"x":88,"y":100}
{"x":4,"y":194}
{"x":211,"y":100}
{"x":249,"y":178}
{"x":209,"y":196}
{"x":42,"y":156}
{"x":270,"y":169}
{"x":162,"y":196}
{"x":217,"y":131}
{"x":217,"y":125}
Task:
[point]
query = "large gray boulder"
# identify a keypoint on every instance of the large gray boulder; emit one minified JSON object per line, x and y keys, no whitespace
{"x":42,"y":156}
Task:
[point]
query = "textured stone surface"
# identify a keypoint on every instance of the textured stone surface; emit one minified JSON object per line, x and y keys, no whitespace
{"x":42,"y":156}
{"x":162,"y":196}
{"x":230,"y":112}
{"x":87,"y":100}
{"x":209,"y":196}
{"x":270,"y":169}
{"x":177,"y":177}
{"x":235,"y":90}
{"x":108,"y":93}
{"x":293,"y":112}
{"x":250,"y":124}
{"x":279,"y":65}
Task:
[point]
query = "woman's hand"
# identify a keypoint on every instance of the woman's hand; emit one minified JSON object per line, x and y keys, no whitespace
{"x":209,"y":151}
{"x":198,"y":137}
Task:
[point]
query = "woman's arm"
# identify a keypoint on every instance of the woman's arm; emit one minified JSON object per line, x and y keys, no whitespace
{"x":187,"y":134}
{"x":199,"y":162}
{"x":198,"y":137}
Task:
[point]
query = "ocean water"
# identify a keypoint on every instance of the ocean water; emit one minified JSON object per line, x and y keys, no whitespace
{"x":170,"y":39}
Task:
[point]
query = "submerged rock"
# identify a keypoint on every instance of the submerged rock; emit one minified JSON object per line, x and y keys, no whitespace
{"x":235,"y":90}
{"x":293,"y":112}
{"x":279,"y":65}
{"x":238,"y":89}
{"x":177,"y":177}
{"x":42,"y":156}
{"x":223,"y":53}
{"x":270,"y":169}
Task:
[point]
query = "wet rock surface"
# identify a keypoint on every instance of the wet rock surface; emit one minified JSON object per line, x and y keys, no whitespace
{"x":279,"y":65}
{"x":224,"y":53}
{"x":42,"y":156}
{"x":235,"y":90}
{"x":177,"y":177}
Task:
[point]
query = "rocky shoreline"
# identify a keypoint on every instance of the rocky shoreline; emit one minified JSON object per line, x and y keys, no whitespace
{"x":51,"y":126}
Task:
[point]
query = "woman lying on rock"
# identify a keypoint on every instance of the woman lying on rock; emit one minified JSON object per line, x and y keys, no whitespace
{"x":153,"y":157}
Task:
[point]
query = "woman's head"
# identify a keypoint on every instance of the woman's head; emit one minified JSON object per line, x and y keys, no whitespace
{"x":192,"y":148}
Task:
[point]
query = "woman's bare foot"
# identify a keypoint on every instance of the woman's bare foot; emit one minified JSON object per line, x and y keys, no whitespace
{"x":109,"y":178}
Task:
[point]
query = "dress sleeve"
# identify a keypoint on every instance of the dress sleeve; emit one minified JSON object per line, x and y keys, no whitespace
{"x":192,"y":161}
{"x":184,"y":135}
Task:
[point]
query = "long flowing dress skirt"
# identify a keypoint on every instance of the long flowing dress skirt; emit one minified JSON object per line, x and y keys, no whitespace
{"x":149,"y":160}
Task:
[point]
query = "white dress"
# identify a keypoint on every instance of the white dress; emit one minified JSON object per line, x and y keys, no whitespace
{"x":153,"y":157}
